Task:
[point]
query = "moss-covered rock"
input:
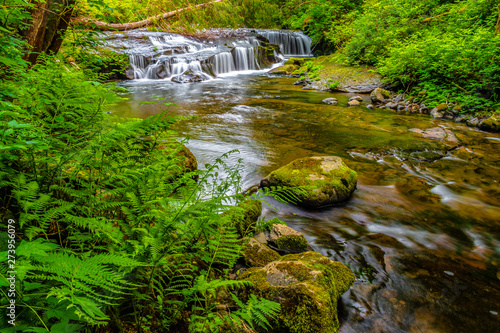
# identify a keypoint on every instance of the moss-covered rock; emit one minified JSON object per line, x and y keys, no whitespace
{"x":287,"y":240}
{"x":257,"y":254}
{"x":379,"y":95}
{"x":325,"y":180}
{"x":285,"y":70}
{"x":245,"y":216}
{"x":491,"y":124}
{"x":296,"y":61}
{"x":307,"y":285}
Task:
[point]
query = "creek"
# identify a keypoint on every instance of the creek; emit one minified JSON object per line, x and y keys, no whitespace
{"x":421,"y":232}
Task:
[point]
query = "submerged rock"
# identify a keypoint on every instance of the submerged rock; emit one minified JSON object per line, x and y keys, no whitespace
{"x":325,"y":180}
{"x":330,"y":101}
{"x":353,"y":103}
{"x":436,"y":133}
{"x":307,"y":285}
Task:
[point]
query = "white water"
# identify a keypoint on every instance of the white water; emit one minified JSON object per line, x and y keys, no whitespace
{"x":165,"y":55}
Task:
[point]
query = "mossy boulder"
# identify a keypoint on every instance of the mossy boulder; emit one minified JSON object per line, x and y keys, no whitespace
{"x":296,"y":61}
{"x":323,"y":180}
{"x":491,"y":124}
{"x":379,"y":95}
{"x":307,"y":285}
{"x":245,"y":216}
{"x":287,"y":240}
{"x":257,"y":254}
{"x":285,"y":70}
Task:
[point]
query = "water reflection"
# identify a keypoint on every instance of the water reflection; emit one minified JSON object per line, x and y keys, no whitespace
{"x":421,"y":232}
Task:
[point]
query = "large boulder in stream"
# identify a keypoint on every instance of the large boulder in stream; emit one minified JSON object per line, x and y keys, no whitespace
{"x":307,"y":285}
{"x":316,"y":181}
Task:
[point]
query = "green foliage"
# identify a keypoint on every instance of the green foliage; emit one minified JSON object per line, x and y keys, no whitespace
{"x":267,"y":225}
{"x":325,"y":21}
{"x":448,"y":48}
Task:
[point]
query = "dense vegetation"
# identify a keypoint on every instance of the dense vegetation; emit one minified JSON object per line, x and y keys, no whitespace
{"x":112,"y":227}
{"x":449,"y":48}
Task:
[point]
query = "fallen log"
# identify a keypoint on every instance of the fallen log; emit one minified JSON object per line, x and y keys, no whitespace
{"x":139,"y":24}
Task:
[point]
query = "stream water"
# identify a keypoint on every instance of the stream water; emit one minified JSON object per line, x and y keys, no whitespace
{"x":421,"y":232}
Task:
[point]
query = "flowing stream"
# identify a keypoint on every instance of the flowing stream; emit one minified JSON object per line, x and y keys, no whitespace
{"x":421,"y":232}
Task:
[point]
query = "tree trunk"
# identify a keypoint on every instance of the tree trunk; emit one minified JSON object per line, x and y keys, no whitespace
{"x":138,"y":24}
{"x":36,"y":32}
{"x":49,"y":23}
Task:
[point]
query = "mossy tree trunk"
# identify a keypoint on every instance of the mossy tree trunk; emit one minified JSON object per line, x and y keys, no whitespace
{"x":50,"y":19}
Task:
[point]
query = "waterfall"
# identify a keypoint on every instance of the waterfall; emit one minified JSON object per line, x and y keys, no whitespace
{"x":160,"y":55}
{"x":222,"y":63}
{"x":290,"y":42}
{"x":139,"y":63}
{"x":244,"y":59}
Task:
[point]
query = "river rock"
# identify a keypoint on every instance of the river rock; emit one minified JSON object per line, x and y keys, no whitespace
{"x":189,"y":76}
{"x":307,"y":285}
{"x":257,"y":254}
{"x":356,"y":98}
{"x":286,"y":240}
{"x":353,"y":103}
{"x":284,"y":70}
{"x":326,"y":180}
{"x":491,"y":124}
{"x":439,"y":111}
{"x":296,"y":61}
{"x":330,"y":101}
{"x":245,"y":216}
{"x":436,"y":133}
{"x":185,"y":159}
{"x":369,"y":106}
{"x":379,"y":95}
{"x":391,"y":105}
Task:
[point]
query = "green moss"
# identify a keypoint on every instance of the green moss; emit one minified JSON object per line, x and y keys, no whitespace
{"x":308,"y":305}
{"x":491,"y":124}
{"x":319,"y":184}
{"x":385,"y":93}
{"x":285,"y":70}
{"x":294,"y":242}
{"x":245,"y":216}
{"x":442,"y":107}
{"x":295,"y":61}
{"x":259,"y":255}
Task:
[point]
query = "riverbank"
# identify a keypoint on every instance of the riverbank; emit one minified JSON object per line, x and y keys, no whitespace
{"x":325,"y":73}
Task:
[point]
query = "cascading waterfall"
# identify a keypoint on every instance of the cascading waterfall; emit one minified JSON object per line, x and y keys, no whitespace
{"x":139,"y":63}
{"x":222,"y":63}
{"x":159,"y":55}
{"x":290,"y":42}
{"x":244,"y":59}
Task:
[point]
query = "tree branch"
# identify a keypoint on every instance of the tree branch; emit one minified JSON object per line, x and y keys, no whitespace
{"x":138,"y":24}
